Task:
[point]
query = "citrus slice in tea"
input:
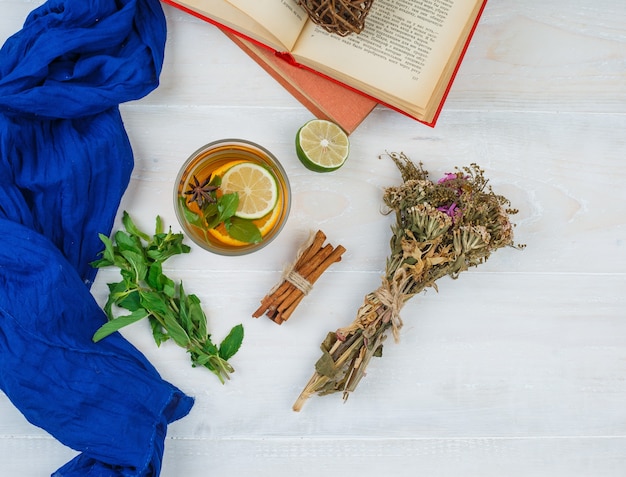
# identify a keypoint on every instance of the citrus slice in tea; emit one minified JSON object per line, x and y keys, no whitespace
{"x":256,"y":186}
{"x":223,"y":168}
{"x":322,"y":146}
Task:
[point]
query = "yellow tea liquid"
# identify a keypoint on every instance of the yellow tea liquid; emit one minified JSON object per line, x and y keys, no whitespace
{"x":215,"y":160}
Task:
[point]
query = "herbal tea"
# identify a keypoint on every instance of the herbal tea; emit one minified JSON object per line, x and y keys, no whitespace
{"x":232,"y":197}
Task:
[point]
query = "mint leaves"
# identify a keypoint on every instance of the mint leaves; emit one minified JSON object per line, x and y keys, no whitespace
{"x":146,"y":292}
{"x":215,"y":210}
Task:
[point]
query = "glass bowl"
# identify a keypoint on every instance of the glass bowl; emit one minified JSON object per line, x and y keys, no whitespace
{"x":204,"y":162}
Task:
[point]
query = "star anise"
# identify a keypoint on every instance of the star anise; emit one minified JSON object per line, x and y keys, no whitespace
{"x":201,"y":192}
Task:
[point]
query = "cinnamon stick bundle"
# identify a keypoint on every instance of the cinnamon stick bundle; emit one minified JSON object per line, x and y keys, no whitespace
{"x":312,"y":261}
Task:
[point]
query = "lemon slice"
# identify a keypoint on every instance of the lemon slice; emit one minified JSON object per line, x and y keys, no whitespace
{"x":256,"y":186}
{"x":224,"y":167}
{"x":322,"y":146}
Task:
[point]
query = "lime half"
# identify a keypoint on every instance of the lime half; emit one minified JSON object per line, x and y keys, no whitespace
{"x":256,"y":186}
{"x":322,"y":146}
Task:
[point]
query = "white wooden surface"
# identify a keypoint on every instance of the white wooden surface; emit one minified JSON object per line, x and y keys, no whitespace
{"x":518,"y":368}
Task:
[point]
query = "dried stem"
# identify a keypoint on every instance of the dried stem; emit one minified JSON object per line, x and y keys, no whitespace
{"x":442,"y":229}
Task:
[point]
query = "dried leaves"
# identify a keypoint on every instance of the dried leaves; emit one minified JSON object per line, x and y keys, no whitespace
{"x":442,"y":229}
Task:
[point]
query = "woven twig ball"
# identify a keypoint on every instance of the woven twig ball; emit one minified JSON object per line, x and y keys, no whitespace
{"x":338,"y":16}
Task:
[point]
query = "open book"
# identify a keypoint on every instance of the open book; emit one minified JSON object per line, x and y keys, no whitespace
{"x":405,"y":58}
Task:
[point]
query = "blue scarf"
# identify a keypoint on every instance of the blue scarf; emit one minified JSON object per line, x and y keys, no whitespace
{"x":65,"y":161}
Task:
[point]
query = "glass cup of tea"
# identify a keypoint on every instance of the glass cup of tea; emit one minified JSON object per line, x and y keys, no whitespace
{"x":214,"y":159}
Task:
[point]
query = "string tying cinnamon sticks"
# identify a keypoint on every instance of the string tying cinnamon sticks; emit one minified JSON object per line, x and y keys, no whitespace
{"x":312,"y":260}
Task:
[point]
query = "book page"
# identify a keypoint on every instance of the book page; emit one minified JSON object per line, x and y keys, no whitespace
{"x":284,"y":18}
{"x":403,"y":52}
{"x":275,"y":23}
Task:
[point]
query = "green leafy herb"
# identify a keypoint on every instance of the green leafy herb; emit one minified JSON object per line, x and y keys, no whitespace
{"x":243,"y":230}
{"x":216,"y":209}
{"x":146,"y":292}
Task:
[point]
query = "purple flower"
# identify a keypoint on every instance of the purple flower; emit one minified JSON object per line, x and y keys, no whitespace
{"x":448,"y":177}
{"x":453,"y":211}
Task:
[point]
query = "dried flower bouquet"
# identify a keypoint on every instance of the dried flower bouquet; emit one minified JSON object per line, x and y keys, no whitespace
{"x":442,"y":229}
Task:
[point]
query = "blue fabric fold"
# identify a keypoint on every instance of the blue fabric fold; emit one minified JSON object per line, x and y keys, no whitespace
{"x":65,"y":161}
